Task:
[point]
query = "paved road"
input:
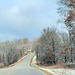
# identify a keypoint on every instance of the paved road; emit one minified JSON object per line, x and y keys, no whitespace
{"x":22,"y":68}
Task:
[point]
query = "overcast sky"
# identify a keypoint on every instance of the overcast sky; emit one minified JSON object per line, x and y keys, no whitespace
{"x":26,"y":18}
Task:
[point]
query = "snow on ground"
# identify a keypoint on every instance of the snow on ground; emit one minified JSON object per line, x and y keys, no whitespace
{"x":61,"y":71}
{"x":57,"y":71}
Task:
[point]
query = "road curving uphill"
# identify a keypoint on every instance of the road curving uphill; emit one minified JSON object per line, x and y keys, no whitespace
{"x":22,"y":68}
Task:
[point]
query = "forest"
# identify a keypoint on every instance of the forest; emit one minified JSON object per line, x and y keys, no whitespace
{"x":12,"y":51}
{"x":53,"y":47}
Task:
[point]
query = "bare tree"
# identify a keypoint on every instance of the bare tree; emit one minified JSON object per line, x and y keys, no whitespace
{"x":67,"y":9}
{"x":12,"y":51}
{"x":47,"y":47}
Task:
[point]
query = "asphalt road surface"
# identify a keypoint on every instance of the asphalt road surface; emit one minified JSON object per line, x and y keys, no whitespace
{"x":22,"y":68}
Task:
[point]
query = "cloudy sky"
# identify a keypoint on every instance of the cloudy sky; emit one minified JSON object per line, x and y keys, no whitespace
{"x":26,"y":18}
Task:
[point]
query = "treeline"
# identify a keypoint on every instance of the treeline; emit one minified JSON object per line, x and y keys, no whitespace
{"x":52,"y":47}
{"x":12,"y":51}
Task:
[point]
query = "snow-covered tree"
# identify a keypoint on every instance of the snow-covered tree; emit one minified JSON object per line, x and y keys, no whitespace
{"x":67,"y":9}
{"x":47,"y":47}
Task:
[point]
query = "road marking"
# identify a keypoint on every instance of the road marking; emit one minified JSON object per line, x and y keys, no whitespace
{"x":8,"y":72}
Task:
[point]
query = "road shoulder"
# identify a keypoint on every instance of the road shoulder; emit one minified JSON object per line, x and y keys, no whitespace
{"x":32,"y":64}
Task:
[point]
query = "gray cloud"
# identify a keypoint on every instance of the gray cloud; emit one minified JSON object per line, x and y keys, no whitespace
{"x":27,"y":16}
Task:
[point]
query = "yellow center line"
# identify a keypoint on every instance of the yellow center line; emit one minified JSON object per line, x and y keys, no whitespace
{"x":8,"y":73}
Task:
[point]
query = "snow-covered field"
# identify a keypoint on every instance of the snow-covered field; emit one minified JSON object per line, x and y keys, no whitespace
{"x":57,"y":71}
{"x":61,"y":71}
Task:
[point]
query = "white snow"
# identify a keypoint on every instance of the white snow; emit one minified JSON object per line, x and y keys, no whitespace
{"x":61,"y":71}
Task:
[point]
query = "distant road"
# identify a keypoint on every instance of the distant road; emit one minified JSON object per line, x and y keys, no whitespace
{"x":22,"y":68}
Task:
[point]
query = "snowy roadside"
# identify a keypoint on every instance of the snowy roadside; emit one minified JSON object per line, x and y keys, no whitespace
{"x":56,"y":71}
{"x":60,"y":71}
